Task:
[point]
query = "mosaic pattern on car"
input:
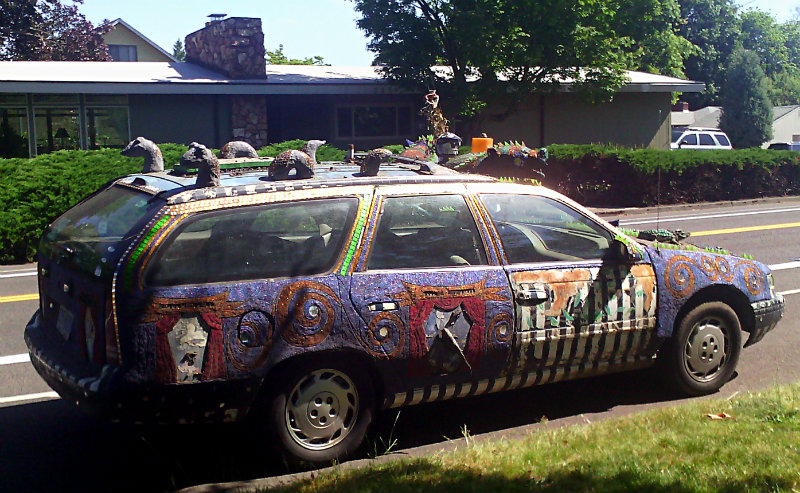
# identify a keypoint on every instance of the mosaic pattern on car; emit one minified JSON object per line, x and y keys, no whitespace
{"x":590,"y":315}
{"x":440,"y":323}
{"x":205,"y":333}
{"x":687,"y":272}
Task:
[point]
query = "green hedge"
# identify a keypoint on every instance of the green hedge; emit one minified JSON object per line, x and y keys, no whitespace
{"x":35,"y":191}
{"x":612,"y":176}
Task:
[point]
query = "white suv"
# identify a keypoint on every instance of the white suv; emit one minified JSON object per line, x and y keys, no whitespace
{"x":700,"y":139}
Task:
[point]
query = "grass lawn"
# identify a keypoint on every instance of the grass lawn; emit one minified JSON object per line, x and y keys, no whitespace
{"x":755,"y":447}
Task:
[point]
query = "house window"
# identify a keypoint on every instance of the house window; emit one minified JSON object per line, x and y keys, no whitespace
{"x":123,"y":53}
{"x":13,"y":132}
{"x":56,"y":129}
{"x":107,"y":127}
{"x":378,"y":121}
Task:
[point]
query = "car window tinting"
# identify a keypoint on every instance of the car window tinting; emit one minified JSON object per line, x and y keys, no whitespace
{"x":722,"y":139}
{"x":689,"y":139}
{"x":280,"y":240}
{"x":425,"y":231}
{"x":539,"y":229}
{"x":706,"y":140}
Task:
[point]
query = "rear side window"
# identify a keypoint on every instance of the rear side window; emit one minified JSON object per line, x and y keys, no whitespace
{"x":424,"y":232}
{"x":722,"y":139}
{"x":279,"y":240}
{"x":706,"y":140}
{"x":539,"y":229}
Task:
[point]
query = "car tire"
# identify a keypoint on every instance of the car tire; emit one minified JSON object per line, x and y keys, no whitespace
{"x":320,"y":413}
{"x":702,"y":353}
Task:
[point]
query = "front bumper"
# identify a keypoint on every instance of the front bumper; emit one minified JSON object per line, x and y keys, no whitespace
{"x":767,"y":314}
{"x":108,"y":394}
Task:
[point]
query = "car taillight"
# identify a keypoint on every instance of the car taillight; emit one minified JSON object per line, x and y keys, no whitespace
{"x":110,"y":327}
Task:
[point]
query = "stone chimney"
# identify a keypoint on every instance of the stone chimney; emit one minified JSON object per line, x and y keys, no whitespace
{"x":233,"y":46}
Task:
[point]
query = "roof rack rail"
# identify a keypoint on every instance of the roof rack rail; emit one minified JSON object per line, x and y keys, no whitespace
{"x":228,"y":165}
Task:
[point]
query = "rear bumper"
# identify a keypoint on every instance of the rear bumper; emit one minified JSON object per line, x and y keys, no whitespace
{"x":106,"y":393}
{"x":767,"y":314}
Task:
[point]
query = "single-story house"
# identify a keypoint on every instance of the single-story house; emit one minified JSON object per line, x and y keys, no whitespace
{"x":225,"y":91}
{"x":785,"y":121}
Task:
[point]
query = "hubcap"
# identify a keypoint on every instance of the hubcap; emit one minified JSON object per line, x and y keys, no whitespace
{"x":321,"y":409}
{"x":705,"y":349}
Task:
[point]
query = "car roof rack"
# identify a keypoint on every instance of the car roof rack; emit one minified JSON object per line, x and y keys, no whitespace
{"x":230,"y":166}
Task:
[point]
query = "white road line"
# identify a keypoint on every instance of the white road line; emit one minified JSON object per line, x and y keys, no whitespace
{"x":15,"y":358}
{"x":706,"y":216}
{"x":28,"y":397}
{"x":18,"y":274}
{"x":784,"y":266}
{"x":787,"y":293}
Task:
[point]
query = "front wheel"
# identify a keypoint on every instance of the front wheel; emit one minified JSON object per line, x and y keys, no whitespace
{"x":320,"y":414}
{"x":702,"y":354}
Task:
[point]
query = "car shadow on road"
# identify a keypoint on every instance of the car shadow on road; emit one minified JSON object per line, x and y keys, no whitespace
{"x":51,"y":446}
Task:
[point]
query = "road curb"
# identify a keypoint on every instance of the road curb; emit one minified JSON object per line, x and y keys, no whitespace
{"x":622,"y":211}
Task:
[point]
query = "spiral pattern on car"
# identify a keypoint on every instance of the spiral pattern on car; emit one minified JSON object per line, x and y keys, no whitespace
{"x":305,"y":313}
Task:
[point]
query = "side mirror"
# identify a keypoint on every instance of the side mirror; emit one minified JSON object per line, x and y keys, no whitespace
{"x":620,"y":253}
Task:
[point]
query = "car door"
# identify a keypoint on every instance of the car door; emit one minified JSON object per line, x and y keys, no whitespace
{"x":576,"y":312}
{"x":432,"y":302}
{"x":228,"y":293}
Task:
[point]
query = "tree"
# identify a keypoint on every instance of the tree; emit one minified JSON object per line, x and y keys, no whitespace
{"x":653,"y":26}
{"x":178,"y":52}
{"x":507,"y":50}
{"x":764,"y":36}
{"x":714,"y":27}
{"x":277,"y":57}
{"x":746,"y":108}
{"x":48,"y":30}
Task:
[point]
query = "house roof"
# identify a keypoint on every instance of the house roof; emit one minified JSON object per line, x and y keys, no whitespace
{"x":184,"y":77}
{"x":120,"y":22}
{"x":709,"y":116}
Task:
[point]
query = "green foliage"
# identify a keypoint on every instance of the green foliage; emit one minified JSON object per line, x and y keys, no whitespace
{"x":714,"y":27}
{"x":178,"y":52}
{"x":531,"y":44}
{"x":606,"y":175}
{"x":746,"y":108}
{"x":277,"y":57}
{"x":324,"y":153}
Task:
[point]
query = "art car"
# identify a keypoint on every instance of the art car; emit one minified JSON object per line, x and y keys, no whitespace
{"x":312,"y":295}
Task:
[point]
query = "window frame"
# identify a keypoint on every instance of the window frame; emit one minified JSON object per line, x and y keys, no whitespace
{"x":398,"y":106}
{"x":487,"y":259}
{"x":341,"y":250}
{"x":576,"y":210}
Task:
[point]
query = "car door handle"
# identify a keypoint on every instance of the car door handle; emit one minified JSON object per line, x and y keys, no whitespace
{"x":533,"y":294}
{"x":383,"y":306}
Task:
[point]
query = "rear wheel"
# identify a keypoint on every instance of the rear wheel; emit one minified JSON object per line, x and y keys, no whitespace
{"x":702,"y":354}
{"x":321,"y":413}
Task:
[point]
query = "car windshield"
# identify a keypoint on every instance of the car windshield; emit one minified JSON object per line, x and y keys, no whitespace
{"x":92,"y":230}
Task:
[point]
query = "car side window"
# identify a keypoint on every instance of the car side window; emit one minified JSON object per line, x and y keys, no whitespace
{"x":722,"y":139}
{"x":278,"y":240}
{"x":707,"y":140}
{"x":425,"y":231}
{"x":689,"y":139}
{"x":539,"y":229}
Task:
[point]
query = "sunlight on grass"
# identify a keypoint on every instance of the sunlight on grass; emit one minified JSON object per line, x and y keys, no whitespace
{"x":678,"y":449}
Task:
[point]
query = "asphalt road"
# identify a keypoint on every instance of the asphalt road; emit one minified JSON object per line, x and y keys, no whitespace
{"x":47,"y":445}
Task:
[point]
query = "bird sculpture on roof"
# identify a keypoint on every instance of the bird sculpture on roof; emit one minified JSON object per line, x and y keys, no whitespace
{"x":200,"y":157}
{"x":237,"y":148}
{"x":373,"y":160}
{"x":301,"y":161}
{"x":149,"y":150}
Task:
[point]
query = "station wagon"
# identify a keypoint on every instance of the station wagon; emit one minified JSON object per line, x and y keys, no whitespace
{"x":312,"y":303}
